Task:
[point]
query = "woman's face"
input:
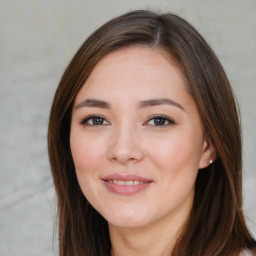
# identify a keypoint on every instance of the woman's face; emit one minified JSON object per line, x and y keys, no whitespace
{"x":137,"y":139}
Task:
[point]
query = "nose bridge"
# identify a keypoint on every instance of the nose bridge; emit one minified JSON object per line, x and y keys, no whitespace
{"x":125,"y":143}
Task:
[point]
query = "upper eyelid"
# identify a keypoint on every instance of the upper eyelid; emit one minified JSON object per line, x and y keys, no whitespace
{"x":160,"y":116}
{"x":84,"y":119}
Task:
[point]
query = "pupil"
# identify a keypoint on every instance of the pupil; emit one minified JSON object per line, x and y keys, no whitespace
{"x":159,"y":121}
{"x":97,"y":121}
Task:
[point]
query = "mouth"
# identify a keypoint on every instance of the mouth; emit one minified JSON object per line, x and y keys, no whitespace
{"x":126,"y":184}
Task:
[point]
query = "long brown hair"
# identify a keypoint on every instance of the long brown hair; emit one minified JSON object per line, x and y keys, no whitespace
{"x":216,"y":225}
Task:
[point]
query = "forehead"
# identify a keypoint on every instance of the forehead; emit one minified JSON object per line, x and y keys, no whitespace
{"x":134,"y":56}
{"x":137,"y":67}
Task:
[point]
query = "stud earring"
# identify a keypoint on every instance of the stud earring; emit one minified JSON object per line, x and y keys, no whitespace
{"x":209,"y":161}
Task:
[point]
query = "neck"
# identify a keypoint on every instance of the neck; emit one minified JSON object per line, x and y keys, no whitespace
{"x":126,"y":242}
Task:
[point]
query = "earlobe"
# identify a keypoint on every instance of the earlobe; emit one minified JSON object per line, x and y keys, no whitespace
{"x":209,"y":153}
{"x":209,"y":161}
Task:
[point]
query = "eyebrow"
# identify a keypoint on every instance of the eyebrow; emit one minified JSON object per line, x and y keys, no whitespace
{"x":156,"y":102}
{"x":142,"y":104}
{"x":93,"y":103}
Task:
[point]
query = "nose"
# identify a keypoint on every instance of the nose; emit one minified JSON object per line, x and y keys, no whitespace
{"x":125,"y":145}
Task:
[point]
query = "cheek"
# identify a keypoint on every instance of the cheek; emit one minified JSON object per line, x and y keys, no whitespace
{"x":87,"y":158}
{"x":171,"y":152}
{"x":85,"y":153}
{"x":177,"y":160}
{"x":177,"y":155}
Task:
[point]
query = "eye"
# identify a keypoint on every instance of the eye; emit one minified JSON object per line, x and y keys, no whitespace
{"x":95,"y":120}
{"x":159,"y":120}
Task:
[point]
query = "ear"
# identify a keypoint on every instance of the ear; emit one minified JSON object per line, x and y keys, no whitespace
{"x":208,"y":154}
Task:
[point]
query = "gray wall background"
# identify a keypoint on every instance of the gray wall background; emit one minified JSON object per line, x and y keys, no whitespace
{"x":37,"y":40}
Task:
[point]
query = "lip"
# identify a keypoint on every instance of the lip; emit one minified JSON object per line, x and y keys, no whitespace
{"x":126,"y":189}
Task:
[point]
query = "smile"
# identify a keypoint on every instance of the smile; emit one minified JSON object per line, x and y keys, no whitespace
{"x":126,"y":183}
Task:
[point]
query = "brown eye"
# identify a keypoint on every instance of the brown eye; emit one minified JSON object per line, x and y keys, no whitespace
{"x":160,"y":120}
{"x":95,"y":120}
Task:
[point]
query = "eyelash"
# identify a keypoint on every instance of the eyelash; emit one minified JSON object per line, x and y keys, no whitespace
{"x":162,"y":118}
{"x":153,"y":118}
{"x":86,"y":120}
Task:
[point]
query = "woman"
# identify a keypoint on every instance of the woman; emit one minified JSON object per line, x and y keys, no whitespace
{"x":145,"y":145}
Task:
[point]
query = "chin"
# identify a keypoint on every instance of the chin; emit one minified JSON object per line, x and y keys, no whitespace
{"x":126,"y":221}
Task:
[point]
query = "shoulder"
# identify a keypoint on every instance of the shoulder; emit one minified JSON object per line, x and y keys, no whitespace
{"x":247,"y":253}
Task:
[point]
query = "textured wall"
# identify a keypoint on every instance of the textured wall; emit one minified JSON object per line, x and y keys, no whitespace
{"x":37,"y":39}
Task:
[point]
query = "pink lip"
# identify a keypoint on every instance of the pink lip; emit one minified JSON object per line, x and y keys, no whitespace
{"x":126,"y":189}
{"x":125,"y":177}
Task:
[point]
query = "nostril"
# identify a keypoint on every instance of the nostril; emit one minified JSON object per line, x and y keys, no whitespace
{"x":124,"y":146}
{"x":122,"y":156}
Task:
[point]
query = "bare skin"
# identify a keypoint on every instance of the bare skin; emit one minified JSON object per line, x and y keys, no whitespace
{"x":137,"y":143}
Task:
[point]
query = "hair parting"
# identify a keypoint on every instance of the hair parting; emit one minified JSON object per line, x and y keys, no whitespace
{"x":216,"y":226}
